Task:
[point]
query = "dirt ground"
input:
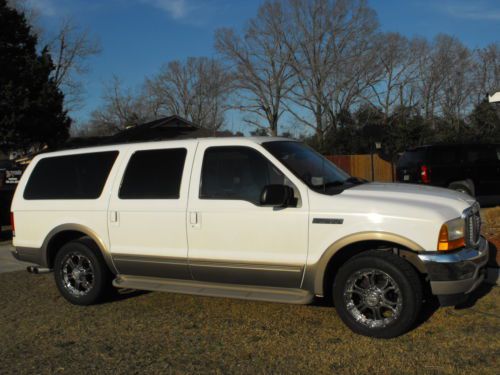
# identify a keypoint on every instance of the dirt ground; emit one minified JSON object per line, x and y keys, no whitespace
{"x":168,"y":333}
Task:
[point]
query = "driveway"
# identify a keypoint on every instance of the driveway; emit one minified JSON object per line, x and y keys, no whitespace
{"x":7,"y":262}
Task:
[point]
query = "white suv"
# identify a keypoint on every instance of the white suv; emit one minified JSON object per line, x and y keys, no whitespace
{"x":255,"y":218}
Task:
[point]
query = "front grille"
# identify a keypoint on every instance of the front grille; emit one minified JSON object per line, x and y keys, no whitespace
{"x":472,"y":225}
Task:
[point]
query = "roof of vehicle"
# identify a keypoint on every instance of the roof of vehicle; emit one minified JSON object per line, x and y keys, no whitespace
{"x":451,"y":145}
{"x":120,"y":146}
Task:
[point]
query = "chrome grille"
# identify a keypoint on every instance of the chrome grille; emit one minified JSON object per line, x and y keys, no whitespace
{"x":472,"y":219}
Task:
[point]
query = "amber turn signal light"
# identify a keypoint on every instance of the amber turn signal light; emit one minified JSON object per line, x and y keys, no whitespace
{"x":444,"y":244}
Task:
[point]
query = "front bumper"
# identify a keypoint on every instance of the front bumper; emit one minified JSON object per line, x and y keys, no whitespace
{"x":456,"y":274}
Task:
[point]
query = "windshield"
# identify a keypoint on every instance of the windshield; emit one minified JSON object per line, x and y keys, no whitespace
{"x":316,"y":171}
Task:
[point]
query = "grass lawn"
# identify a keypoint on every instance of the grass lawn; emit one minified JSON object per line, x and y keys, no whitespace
{"x":491,"y":230}
{"x":169,"y":333}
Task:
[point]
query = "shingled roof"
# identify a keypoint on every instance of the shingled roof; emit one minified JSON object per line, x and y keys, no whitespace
{"x":171,"y":127}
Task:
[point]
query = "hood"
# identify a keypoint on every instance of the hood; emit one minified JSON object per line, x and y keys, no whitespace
{"x":405,"y":201}
{"x":412,"y":192}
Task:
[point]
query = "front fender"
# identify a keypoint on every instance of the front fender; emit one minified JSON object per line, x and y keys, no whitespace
{"x":315,"y":272}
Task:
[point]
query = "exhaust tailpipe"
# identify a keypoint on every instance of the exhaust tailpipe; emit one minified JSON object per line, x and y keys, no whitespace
{"x":37,"y":270}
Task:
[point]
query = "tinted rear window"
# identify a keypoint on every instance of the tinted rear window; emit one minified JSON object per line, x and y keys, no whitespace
{"x":445,"y":155}
{"x":81,"y":176}
{"x":411,"y":158}
{"x":153,"y":174}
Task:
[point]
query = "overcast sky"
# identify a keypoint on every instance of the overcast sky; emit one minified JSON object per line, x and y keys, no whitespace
{"x":138,"y":36}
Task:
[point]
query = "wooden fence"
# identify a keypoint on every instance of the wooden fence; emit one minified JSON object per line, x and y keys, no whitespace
{"x":361,"y":166}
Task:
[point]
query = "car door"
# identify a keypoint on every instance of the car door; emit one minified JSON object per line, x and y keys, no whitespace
{"x":232,"y":239}
{"x":147,"y":211}
{"x":484,"y":164}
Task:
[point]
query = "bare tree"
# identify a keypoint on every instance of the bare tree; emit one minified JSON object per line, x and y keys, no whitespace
{"x":197,"y":89}
{"x":120,"y":110}
{"x":70,"y":49}
{"x":397,"y":69}
{"x":486,"y":71}
{"x":261,"y":61}
{"x":332,"y":44}
{"x":456,"y":92}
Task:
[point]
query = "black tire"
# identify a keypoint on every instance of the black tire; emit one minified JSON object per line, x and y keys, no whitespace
{"x":460,"y":187}
{"x":381,"y":314}
{"x":93,"y":273}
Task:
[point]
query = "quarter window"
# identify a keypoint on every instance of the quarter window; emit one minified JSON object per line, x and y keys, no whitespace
{"x":484,"y":154}
{"x":238,"y":173}
{"x":153,"y":174}
{"x":80,"y":176}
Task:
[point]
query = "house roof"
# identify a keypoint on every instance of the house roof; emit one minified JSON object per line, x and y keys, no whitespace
{"x":171,"y":127}
{"x":164,"y":128}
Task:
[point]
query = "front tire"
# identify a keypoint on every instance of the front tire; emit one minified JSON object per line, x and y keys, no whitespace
{"x":81,"y":274}
{"x":378,"y":294}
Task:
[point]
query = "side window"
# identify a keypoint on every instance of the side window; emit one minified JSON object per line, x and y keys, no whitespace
{"x":485,"y":154}
{"x":153,"y":174}
{"x":80,"y":176}
{"x":238,"y":173}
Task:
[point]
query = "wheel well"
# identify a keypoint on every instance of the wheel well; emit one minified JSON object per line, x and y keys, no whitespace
{"x":347,"y":252}
{"x":58,"y":241}
{"x":468,"y":183}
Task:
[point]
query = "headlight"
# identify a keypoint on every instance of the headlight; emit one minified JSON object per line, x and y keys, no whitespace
{"x":451,"y":235}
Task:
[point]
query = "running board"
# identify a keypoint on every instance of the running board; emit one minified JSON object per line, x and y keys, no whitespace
{"x":257,"y":293}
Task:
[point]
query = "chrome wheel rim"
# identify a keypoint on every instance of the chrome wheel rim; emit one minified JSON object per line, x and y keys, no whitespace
{"x":373,"y":298}
{"x":77,"y":273}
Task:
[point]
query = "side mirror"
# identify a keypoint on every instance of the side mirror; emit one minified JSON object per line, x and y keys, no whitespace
{"x":276,"y":196}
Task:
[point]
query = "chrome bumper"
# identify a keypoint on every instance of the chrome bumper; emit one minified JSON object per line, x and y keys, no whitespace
{"x":458,"y":272}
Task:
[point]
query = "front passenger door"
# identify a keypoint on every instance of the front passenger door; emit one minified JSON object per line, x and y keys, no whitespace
{"x":232,"y":239}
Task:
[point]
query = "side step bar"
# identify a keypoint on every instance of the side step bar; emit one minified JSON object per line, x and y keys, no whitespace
{"x":257,"y":293}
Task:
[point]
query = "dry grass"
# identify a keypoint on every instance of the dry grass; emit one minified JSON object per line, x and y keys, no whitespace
{"x":491,"y":230}
{"x":491,"y":221}
{"x":169,"y":333}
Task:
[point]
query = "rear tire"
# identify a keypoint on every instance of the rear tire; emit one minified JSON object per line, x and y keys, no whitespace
{"x":378,"y":294}
{"x":81,"y":273}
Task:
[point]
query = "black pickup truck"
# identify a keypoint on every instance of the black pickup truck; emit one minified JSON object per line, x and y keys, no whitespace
{"x":470,"y":168}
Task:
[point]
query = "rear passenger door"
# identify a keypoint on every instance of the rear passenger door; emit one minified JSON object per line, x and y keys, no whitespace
{"x":147,"y":211}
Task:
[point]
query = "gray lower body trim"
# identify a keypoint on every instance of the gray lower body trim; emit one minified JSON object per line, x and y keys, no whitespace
{"x":273,"y":275}
{"x":152,"y":266}
{"x":285,"y":295}
{"x":29,"y":254}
